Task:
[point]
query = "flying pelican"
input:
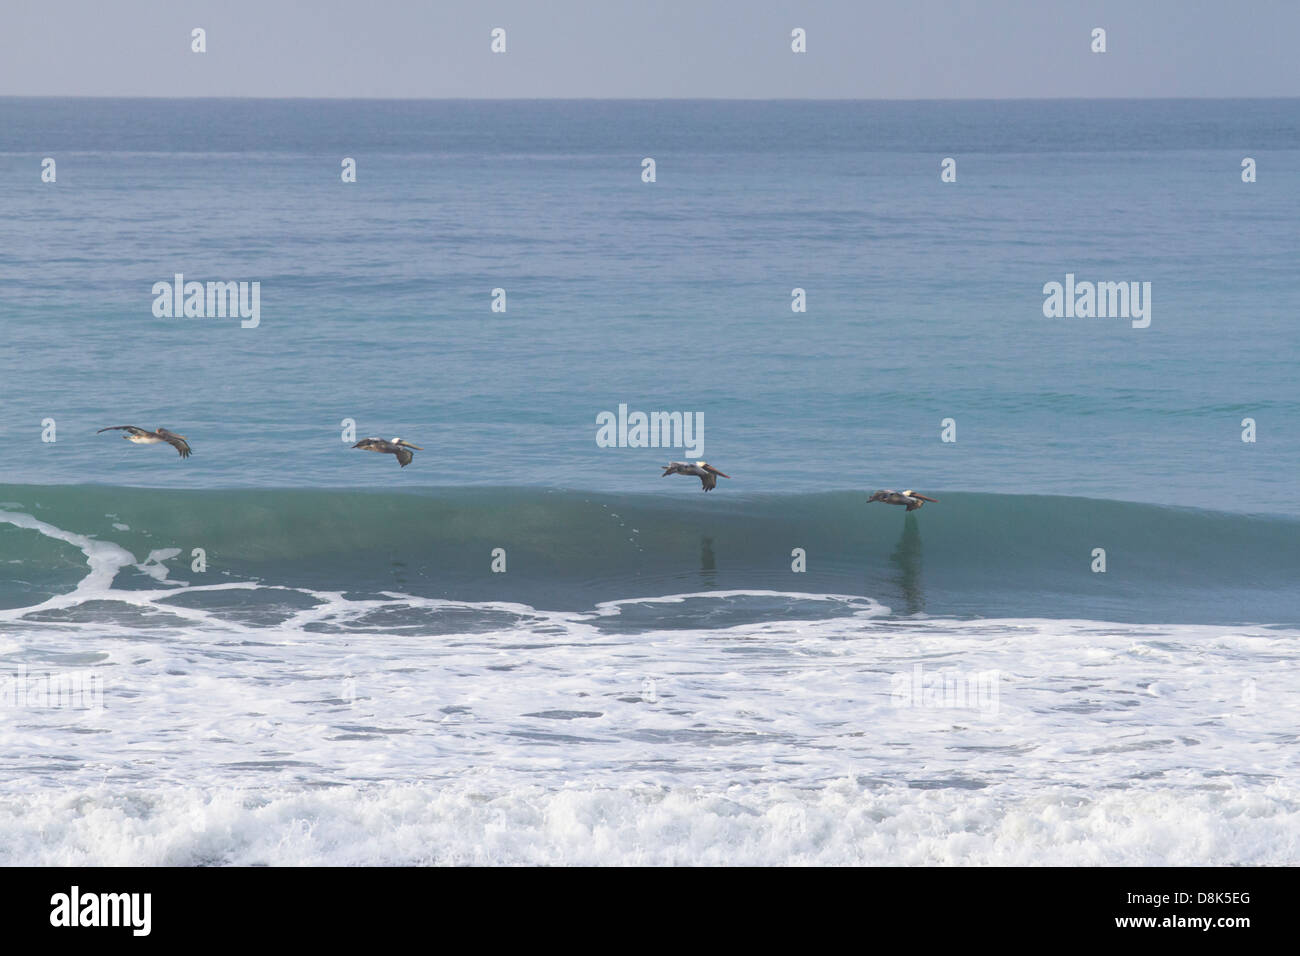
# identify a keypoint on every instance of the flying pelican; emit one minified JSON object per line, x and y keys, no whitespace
{"x":707,"y":474}
{"x":141,"y":436}
{"x":396,"y":447}
{"x":909,"y":498}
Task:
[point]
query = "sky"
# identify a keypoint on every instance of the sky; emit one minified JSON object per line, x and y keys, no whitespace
{"x":856,"y":49}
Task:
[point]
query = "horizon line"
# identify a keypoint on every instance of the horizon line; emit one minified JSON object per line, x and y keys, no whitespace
{"x":649,"y":99}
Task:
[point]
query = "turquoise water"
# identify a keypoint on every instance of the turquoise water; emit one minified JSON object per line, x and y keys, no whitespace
{"x":924,"y":298}
{"x":970,"y":555}
{"x":527,"y":647}
{"x":925,"y":303}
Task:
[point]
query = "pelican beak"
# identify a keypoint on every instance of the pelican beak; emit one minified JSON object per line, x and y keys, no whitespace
{"x":720,"y":474}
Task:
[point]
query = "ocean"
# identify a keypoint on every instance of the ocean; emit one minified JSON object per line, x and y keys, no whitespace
{"x":529,"y":646}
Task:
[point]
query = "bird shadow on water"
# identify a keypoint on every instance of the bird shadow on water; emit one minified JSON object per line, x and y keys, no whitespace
{"x":708,"y":564}
{"x":907,"y":559}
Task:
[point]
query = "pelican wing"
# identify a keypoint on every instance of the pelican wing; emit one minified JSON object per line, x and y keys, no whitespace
{"x":176,"y":441}
{"x":403,"y":456}
{"x":130,"y":428}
